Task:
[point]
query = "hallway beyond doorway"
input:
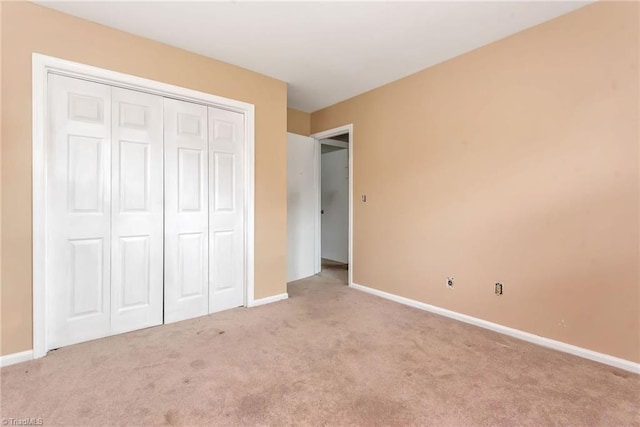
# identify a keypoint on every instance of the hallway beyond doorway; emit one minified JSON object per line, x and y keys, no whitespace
{"x":335,"y":270}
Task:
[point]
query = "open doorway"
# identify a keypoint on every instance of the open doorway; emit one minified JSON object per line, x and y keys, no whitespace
{"x":334,"y":230}
{"x":334,"y":206}
{"x":320,"y":228}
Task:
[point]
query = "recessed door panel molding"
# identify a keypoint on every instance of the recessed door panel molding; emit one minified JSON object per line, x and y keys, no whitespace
{"x":86,"y":108}
{"x":191,"y":264}
{"x":85,"y":174}
{"x":223,"y":257}
{"x":135,"y":176}
{"x":186,"y":206}
{"x":189,"y":124}
{"x":133,"y":115}
{"x":224,"y":181}
{"x":78,"y":246}
{"x":226,"y":208}
{"x":135,"y":284}
{"x":87,"y":282}
{"x":137,"y":210}
{"x":190,"y":166}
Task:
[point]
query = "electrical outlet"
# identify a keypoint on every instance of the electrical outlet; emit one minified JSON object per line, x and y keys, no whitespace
{"x":449,"y":282}
{"x":498,"y":288}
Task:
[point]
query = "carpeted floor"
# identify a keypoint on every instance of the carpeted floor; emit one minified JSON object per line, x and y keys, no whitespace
{"x":329,"y":355}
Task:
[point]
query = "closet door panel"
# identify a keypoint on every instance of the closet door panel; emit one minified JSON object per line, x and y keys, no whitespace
{"x":186,"y":210}
{"x":137,"y":210}
{"x":78,"y":211}
{"x":226,"y":209}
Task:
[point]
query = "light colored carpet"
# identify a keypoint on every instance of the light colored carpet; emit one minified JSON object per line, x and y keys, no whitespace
{"x":329,"y":355}
{"x":333,"y":270}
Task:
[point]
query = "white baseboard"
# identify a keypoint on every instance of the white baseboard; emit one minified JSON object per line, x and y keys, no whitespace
{"x":12,"y":359}
{"x":627,"y":365}
{"x":269,"y":300}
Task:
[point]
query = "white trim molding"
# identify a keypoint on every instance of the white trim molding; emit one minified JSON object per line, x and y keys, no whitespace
{"x":617,"y":362}
{"x":13,"y":358}
{"x":326,"y":135}
{"x":269,"y":300}
{"x":42,"y":66}
{"x":334,"y":143}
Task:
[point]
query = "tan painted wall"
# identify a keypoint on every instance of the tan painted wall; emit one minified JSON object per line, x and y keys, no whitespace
{"x":28,"y":28}
{"x":298,"y":122}
{"x":516,"y":162}
{"x":1,"y":3}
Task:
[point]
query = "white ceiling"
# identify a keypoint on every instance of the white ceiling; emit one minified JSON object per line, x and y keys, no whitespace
{"x":326,"y":51}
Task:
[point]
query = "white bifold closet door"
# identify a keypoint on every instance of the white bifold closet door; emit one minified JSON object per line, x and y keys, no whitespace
{"x":137,"y":210}
{"x":104,"y":178}
{"x":226,"y":206}
{"x":204,"y":204}
{"x":145,"y":207}
{"x":186,"y":211}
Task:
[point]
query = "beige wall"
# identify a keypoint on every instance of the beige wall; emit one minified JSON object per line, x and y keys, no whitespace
{"x":28,"y":28}
{"x":298,"y":122}
{"x":516,"y":162}
{"x":1,"y":3}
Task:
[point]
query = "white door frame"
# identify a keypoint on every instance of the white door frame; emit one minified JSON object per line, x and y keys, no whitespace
{"x":324,"y":135}
{"x":42,"y":65}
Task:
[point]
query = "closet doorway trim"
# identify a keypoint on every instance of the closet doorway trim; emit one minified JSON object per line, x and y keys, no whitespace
{"x":42,"y":66}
